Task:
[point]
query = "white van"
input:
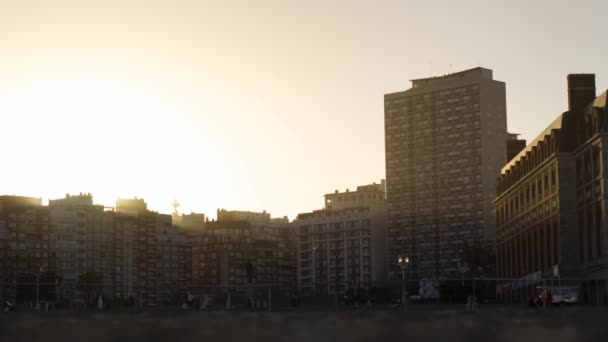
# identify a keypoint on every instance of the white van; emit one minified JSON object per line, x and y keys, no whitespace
{"x":562,"y":294}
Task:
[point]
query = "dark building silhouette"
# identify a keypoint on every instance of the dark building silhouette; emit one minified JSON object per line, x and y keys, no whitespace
{"x":343,"y":245}
{"x":514,"y":145}
{"x":133,"y":252}
{"x":550,"y":204}
{"x":243,"y":248}
{"x":24,"y":245}
{"x":153,"y":258}
{"x":445,"y":144}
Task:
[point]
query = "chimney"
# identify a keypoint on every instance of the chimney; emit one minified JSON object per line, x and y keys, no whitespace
{"x":581,"y":91}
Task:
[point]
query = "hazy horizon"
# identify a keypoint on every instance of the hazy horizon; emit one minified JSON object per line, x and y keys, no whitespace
{"x":255,"y":105}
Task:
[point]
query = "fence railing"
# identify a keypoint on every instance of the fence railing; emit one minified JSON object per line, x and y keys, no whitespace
{"x":502,"y":291}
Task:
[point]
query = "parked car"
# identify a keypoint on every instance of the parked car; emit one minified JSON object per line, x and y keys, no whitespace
{"x":556,"y":295}
{"x":564,"y":294}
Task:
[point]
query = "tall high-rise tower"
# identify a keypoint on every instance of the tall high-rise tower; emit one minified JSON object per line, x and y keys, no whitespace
{"x":445,"y":145}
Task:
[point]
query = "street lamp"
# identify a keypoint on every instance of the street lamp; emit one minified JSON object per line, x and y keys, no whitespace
{"x":462,"y":267}
{"x":403,"y":263}
{"x":38,"y":287}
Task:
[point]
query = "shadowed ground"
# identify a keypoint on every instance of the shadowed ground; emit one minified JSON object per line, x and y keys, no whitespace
{"x":417,"y":324}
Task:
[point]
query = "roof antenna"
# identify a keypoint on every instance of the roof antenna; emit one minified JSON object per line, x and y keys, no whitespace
{"x":430,"y":68}
{"x":451,"y":70}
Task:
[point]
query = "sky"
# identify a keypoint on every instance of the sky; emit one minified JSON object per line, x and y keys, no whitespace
{"x":260,"y":104}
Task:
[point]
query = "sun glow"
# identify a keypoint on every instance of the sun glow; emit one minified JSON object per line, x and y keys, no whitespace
{"x":108,"y":135}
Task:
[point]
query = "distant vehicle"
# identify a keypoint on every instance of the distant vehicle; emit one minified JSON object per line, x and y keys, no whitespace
{"x":556,"y":295}
{"x":563,"y":294}
{"x":428,"y":290}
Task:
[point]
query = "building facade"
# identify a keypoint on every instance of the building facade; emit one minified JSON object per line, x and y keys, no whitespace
{"x":153,"y":259}
{"x":244,"y":248}
{"x":81,"y":237}
{"x":343,"y":245}
{"x":551,"y":202}
{"x":365,"y":196}
{"x":514,"y":145}
{"x":445,"y":145}
{"x":25,"y":250}
{"x":80,"y":249}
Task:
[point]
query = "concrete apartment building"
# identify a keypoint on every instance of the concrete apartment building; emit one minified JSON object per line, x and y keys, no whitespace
{"x":82,"y":239}
{"x":365,"y":196}
{"x":514,"y":145}
{"x":273,"y":242}
{"x":221,"y":255}
{"x":190,"y":222}
{"x":445,"y":145}
{"x":550,"y":204}
{"x":344,"y":244}
{"x":24,"y":246}
{"x":153,"y":259}
{"x":244,"y":247}
{"x":132,"y":252}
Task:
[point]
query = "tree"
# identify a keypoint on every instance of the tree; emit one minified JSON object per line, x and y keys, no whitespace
{"x":89,"y":284}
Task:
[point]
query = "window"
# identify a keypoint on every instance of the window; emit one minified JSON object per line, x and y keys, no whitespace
{"x":579,"y":169}
{"x":587,"y":165}
{"x":542,"y":242}
{"x":597,"y":151}
{"x":581,"y":236}
{"x":589,"y":230}
{"x":599,"y":232}
{"x":535,"y":248}
{"x":554,"y":226}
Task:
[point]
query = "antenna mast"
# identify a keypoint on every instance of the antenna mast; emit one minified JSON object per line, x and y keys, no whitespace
{"x":175,"y":208}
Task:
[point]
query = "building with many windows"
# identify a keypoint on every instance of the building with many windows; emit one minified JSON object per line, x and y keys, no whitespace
{"x":80,"y":249}
{"x":365,"y":196}
{"x":550,"y":204}
{"x":243,"y":248}
{"x":445,"y":145}
{"x":153,"y":259}
{"x":343,"y":245}
{"x":82,"y":239}
{"x":25,"y":251}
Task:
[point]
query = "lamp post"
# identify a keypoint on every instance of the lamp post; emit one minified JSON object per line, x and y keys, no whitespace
{"x":38,"y":287}
{"x":463,"y":268}
{"x":315,"y":271}
{"x":403,"y":263}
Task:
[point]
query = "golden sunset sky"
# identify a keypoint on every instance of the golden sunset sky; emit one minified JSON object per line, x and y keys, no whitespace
{"x":255,"y":105}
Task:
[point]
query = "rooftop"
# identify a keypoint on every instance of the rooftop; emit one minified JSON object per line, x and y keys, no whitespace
{"x":600,"y":101}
